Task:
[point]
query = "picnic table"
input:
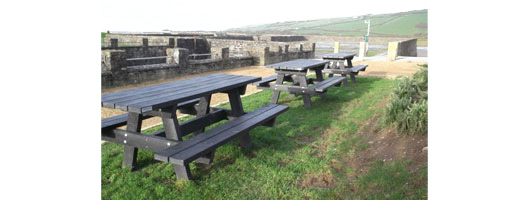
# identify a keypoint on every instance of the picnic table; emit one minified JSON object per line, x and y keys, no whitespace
{"x":336,"y":65}
{"x":191,"y":96}
{"x":295,"y":72}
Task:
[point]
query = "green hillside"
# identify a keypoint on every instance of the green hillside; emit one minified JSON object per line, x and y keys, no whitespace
{"x":404,"y":24}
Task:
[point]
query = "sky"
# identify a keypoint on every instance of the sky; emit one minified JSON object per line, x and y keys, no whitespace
{"x":206,"y":15}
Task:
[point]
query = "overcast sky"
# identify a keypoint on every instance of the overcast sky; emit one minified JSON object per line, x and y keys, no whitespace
{"x":193,"y":15}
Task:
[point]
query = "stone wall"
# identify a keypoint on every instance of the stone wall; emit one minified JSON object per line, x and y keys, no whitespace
{"x":285,"y":54}
{"x":402,"y":48}
{"x":408,"y":48}
{"x":256,"y":49}
{"x":140,"y":74}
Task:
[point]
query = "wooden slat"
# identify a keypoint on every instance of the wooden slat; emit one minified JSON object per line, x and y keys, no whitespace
{"x":170,"y":100}
{"x":338,"y":56}
{"x":202,"y":121}
{"x":265,"y":81}
{"x":121,"y":120}
{"x":160,"y":87}
{"x":147,"y":142}
{"x":360,"y":67}
{"x":209,"y":144}
{"x":175,"y":89}
{"x":174,"y":92}
{"x":121,"y":102}
{"x":164,"y":155}
{"x":124,"y":103}
{"x":338,"y":71}
{"x":298,"y":65}
{"x":324,"y":85}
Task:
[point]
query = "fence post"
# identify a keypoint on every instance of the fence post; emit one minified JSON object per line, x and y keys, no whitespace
{"x":337,"y":47}
{"x":362,"y":50}
{"x":392,"y":51}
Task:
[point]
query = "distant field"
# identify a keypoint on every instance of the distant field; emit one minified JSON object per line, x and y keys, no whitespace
{"x":405,"y":24}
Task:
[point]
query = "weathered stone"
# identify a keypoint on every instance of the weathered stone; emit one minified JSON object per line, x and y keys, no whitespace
{"x":225,"y":53}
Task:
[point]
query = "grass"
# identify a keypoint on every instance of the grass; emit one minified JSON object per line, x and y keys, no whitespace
{"x":103,"y":34}
{"x":372,"y":53}
{"x":404,"y":24}
{"x":285,"y":158}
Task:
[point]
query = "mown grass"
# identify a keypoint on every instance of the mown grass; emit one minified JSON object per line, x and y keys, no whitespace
{"x":303,"y":143}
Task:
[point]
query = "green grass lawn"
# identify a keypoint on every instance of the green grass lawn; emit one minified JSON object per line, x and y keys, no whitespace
{"x":302,"y":144}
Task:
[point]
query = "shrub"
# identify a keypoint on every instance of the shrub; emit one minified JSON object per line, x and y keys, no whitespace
{"x":407,"y":109}
{"x":421,"y":77}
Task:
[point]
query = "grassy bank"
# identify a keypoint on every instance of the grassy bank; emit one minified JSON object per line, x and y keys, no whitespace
{"x":295,"y":159}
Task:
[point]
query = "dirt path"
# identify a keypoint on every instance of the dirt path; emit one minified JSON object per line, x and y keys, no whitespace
{"x":375,"y":68}
{"x":390,"y":70}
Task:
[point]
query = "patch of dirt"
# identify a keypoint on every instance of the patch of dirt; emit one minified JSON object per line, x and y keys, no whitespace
{"x":388,"y":69}
{"x":324,"y":180}
{"x":388,"y":146}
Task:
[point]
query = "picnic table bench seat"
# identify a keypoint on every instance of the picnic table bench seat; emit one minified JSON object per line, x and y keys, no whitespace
{"x":265,"y":81}
{"x":191,"y":149}
{"x":324,"y":85}
{"x":121,"y":120}
{"x":360,"y":67}
{"x":354,"y":69}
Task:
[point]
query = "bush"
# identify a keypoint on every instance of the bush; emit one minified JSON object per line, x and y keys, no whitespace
{"x":407,"y":109}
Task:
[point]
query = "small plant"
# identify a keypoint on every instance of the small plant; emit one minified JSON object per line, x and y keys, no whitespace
{"x":407,"y":109}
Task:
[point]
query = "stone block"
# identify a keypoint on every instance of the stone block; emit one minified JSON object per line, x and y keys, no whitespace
{"x":392,"y":51}
{"x":225,"y":53}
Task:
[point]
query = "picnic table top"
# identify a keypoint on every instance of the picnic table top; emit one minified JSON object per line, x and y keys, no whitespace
{"x":298,"y":65}
{"x":145,"y":99}
{"x":340,"y":56}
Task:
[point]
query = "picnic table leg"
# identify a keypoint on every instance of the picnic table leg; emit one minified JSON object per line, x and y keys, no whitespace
{"x":204,"y":108}
{"x":276,"y":94}
{"x":183,"y":171}
{"x":307,"y":99}
{"x":171,"y":124}
{"x":352,"y":75}
{"x":320,"y":77}
{"x":130,"y":153}
{"x":172,"y":130}
{"x":349,"y":63}
{"x":237,"y":110}
{"x":295,"y":82}
{"x":341,"y":66}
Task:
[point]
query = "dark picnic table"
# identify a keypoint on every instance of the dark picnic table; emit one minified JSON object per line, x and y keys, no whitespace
{"x":295,"y":71}
{"x":336,"y":65}
{"x":164,"y":100}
